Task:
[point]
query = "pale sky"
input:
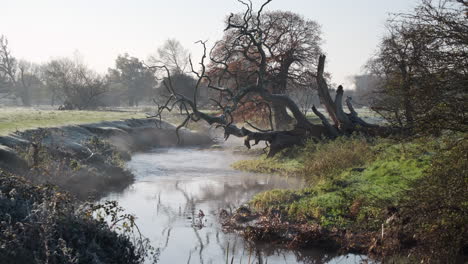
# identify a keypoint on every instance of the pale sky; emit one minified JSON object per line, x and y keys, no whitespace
{"x":39,"y":30}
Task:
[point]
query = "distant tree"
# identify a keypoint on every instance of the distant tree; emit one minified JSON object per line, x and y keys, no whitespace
{"x":14,"y":75}
{"x":423,"y":66}
{"x":117,"y":92}
{"x":305,"y":98}
{"x":30,"y":77}
{"x":173,"y":55}
{"x":181,"y":83}
{"x":132,"y":73}
{"x":4,"y":84}
{"x":365,"y":87}
{"x":74,"y":84}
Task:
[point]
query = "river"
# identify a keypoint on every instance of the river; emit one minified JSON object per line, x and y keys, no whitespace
{"x":173,"y":185}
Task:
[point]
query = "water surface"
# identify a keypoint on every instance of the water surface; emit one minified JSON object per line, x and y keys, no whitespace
{"x":173,"y":185}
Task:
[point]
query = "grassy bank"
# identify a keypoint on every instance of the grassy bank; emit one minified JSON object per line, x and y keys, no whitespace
{"x":14,"y":119}
{"x":367,"y":186}
{"x":19,"y":119}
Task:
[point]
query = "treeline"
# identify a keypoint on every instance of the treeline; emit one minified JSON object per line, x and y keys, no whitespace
{"x":68,"y":83}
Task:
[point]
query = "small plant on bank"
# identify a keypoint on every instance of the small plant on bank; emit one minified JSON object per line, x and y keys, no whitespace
{"x":84,"y":173}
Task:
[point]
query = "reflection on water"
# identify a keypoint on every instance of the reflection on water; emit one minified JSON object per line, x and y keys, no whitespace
{"x":173,"y":185}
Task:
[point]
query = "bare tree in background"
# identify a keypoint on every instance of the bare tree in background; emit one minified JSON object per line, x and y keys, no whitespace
{"x":13,"y":74}
{"x":304,"y":97}
{"x":176,"y":58}
{"x":76,"y":85}
{"x":173,"y":55}
{"x":6,"y":83}
{"x":30,"y":78}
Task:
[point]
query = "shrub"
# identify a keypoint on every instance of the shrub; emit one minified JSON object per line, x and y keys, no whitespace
{"x":39,"y":224}
{"x":436,"y":211}
{"x":89,"y":174}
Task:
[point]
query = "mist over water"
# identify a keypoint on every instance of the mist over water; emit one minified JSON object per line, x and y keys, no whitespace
{"x":172,"y":185}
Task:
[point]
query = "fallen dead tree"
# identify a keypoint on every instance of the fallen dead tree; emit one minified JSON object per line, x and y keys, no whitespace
{"x":247,"y":29}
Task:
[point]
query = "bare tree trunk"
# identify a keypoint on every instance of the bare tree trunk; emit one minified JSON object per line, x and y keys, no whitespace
{"x":408,"y":107}
{"x":25,"y":94}
{"x":24,"y":90}
{"x":281,"y":119}
{"x":323,"y":92}
{"x":408,"y":110}
{"x":25,"y":97}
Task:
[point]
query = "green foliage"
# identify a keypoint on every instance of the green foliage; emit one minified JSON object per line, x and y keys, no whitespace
{"x":132,"y":73}
{"x":103,"y":148}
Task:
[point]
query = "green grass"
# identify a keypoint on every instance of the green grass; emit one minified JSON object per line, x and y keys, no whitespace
{"x":279,"y":165}
{"x":314,"y":161}
{"x":19,"y":119}
{"x":351,"y":181}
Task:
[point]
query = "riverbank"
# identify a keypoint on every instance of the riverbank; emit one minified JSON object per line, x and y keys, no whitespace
{"x":382,"y":198}
{"x":40,"y":224}
{"x":88,"y":159}
{"x":46,"y":174}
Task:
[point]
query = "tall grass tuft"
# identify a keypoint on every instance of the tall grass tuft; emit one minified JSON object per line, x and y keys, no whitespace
{"x":328,"y":159}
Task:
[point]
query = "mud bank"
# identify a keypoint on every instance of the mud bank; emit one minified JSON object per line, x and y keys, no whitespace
{"x":87,"y":159}
{"x":274,"y":228}
{"x":392,"y":244}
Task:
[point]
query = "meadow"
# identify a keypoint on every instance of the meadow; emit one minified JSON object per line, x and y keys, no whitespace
{"x":14,"y":119}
